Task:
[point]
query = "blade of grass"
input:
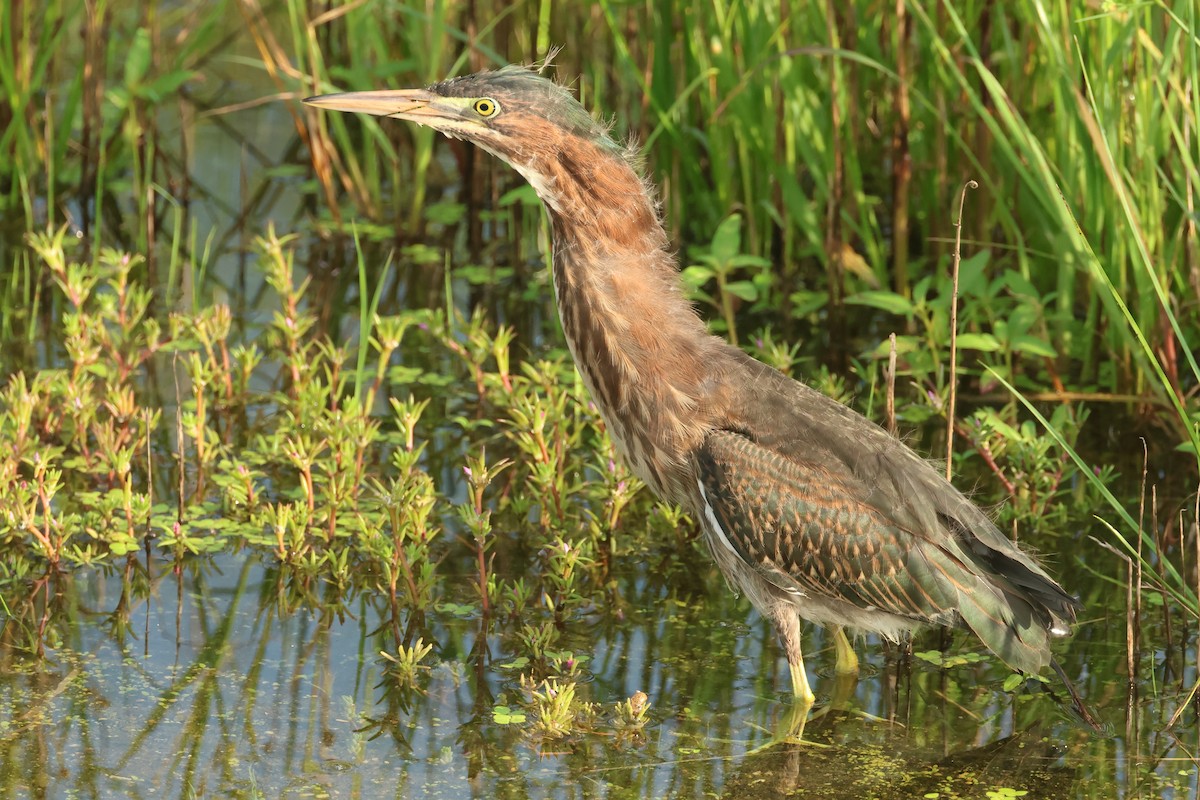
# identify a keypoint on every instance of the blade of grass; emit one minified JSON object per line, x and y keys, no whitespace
{"x":1180,"y":592}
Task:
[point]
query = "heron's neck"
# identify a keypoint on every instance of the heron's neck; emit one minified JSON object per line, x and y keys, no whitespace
{"x":643,"y":352}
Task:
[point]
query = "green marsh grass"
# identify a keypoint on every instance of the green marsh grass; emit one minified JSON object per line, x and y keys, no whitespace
{"x":786,"y":122}
{"x":405,"y":423}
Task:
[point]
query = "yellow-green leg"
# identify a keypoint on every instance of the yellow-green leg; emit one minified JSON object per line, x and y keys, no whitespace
{"x":787,"y":625}
{"x":800,"y":688}
{"x":847,"y":659}
{"x":791,"y":725}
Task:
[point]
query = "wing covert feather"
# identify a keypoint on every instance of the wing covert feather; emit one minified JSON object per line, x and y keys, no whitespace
{"x":807,"y":528}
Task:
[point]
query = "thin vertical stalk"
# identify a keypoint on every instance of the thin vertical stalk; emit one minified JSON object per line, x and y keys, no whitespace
{"x":901,"y":156}
{"x":891,"y":385}
{"x":962,"y":199}
{"x":1135,"y":621}
{"x":833,"y":209}
{"x":1195,"y":690}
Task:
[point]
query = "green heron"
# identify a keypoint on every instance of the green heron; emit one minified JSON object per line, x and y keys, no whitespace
{"x":808,"y":507}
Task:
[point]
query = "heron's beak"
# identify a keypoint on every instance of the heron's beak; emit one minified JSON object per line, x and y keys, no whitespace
{"x":417,"y":105}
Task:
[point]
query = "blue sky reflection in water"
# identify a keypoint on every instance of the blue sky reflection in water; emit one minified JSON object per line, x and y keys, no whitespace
{"x":208,"y":686}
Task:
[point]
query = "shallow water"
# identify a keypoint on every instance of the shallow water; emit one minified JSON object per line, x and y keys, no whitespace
{"x":234,"y":678}
{"x":205,"y":684}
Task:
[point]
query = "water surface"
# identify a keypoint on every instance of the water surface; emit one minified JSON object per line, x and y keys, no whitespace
{"x":227,"y":681}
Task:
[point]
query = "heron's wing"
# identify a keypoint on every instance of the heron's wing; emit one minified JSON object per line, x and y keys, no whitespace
{"x":815,"y":529}
{"x":802,"y":425}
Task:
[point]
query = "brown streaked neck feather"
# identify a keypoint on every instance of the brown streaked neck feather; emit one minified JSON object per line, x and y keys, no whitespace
{"x":613,"y":275}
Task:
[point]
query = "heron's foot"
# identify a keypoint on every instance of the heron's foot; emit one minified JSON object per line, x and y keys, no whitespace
{"x":790,"y":730}
{"x":847,"y":659}
{"x":791,"y":725}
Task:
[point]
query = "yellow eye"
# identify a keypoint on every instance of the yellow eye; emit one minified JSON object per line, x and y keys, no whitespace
{"x":486,"y":107}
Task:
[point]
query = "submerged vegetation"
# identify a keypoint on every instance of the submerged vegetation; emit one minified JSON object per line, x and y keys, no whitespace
{"x":377,"y":403}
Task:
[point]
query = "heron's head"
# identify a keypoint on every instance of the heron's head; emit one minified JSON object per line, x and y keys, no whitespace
{"x":521,"y":117}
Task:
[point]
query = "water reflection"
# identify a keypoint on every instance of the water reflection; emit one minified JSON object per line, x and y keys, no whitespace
{"x":233,"y":679}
